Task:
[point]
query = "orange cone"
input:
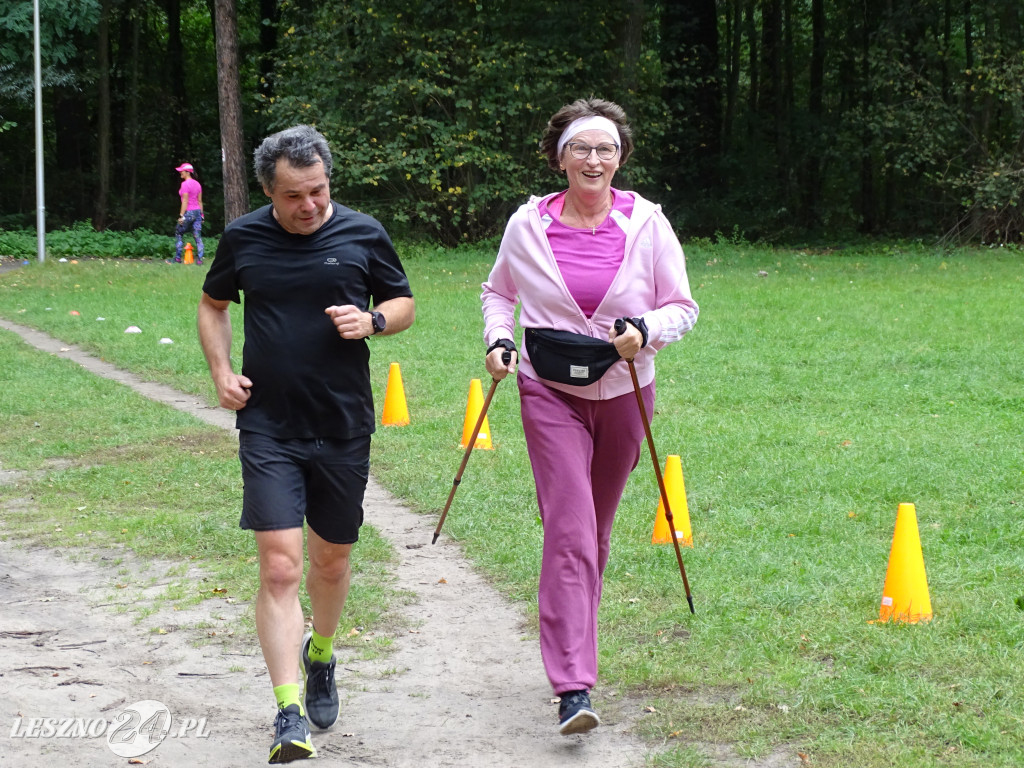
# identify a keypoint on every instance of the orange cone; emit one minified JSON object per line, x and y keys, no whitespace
{"x":396,"y":413}
{"x":473,"y":407}
{"x":188,"y":254}
{"x":905,"y":594}
{"x":675,"y":489}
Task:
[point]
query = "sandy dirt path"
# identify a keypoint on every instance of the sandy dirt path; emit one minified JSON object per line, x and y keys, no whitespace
{"x":464,"y":685}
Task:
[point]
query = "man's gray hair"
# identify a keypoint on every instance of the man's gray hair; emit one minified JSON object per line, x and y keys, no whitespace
{"x":300,"y":145}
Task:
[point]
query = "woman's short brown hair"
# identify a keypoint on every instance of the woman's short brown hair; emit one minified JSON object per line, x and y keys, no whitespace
{"x":585,"y":108}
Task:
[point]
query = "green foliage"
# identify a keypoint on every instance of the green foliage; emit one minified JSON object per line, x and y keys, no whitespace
{"x":990,"y":189}
{"x":59,"y":21}
{"x":81,"y":240}
{"x":434,"y":109}
{"x":18,"y":243}
{"x":991,"y":200}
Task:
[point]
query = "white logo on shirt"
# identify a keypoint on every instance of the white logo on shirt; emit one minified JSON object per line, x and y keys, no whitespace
{"x":331,"y":261}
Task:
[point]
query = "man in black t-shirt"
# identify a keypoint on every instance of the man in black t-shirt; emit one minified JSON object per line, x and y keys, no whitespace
{"x":310,"y":270}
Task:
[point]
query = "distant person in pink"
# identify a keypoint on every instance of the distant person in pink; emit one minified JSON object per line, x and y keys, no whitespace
{"x":190,"y":216}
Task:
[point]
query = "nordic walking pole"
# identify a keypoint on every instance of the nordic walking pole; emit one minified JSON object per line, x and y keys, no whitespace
{"x":506,"y":358}
{"x":620,"y":327}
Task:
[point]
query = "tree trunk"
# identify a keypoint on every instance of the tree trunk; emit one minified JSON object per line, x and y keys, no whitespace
{"x":812,"y":184}
{"x":692,"y":91}
{"x":968,"y":61}
{"x":817,"y":93}
{"x":180,"y":140}
{"x":987,"y":105}
{"x":270,"y":14}
{"x":894,"y":44}
{"x":630,"y":43}
{"x":867,"y":164}
{"x":99,"y":218}
{"x":233,"y":154}
{"x":947,"y":46}
{"x":753,"y":65}
{"x":131,"y":138}
{"x":771,"y":99}
{"x":788,"y":59}
{"x":734,"y":32}
{"x":709,"y":94}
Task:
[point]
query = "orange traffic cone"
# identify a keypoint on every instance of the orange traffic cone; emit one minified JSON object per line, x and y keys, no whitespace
{"x":473,"y":407}
{"x":188,"y":254}
{"x":905,"y":594}
{"x":675,"y":489}
{"x":396,"y":413}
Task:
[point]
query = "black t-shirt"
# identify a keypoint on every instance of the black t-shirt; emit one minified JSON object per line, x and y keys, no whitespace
{"x":307,"y":381}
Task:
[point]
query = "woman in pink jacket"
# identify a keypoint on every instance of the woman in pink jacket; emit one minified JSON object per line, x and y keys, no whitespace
{"x":576,"y":261}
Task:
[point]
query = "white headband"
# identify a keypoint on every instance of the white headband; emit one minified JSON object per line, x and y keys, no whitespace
{"x":590,"y":122}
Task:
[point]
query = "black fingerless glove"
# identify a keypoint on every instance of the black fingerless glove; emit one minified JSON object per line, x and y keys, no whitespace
{"x":507,"y":344}
{"x":640,"y":325}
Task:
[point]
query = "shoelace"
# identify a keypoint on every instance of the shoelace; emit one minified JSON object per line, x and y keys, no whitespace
{"x":286,"y":720}
{"x":574,"y":702}
{"x":323,"y":678}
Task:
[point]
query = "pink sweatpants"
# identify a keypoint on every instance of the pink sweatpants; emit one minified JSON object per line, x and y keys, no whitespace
{"x":582,"y":452}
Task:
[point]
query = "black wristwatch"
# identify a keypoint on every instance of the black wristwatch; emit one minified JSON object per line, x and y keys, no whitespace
{"x":379,"y":322}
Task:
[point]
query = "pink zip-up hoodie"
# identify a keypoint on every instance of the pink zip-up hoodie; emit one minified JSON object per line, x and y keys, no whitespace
{"x":651,"y":283}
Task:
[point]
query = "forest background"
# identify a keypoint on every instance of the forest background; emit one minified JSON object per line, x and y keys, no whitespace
{"x":786,"y":121}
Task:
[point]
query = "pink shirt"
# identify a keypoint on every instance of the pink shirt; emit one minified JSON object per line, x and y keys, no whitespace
{"x":651,"y":283}
{"x":191,"y":188}
{"x":589,"y":261}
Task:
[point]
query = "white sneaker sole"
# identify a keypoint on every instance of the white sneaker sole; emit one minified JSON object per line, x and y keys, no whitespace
{"x":581,"y":722}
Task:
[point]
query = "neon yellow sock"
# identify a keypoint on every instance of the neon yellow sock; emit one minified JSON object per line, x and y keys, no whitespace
{"x":321,"y":648}
{"x":288,"y":694}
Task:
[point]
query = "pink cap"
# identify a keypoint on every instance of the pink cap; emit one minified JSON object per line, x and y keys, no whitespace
{"x":185,"y":167}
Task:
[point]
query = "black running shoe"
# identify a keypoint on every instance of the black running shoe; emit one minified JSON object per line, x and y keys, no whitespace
{"x":575,"y":715}
{"x":291,"y":736}
{"x":321,"y":697}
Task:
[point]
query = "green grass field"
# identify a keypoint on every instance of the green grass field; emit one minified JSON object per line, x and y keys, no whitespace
{"x":818,"y":391}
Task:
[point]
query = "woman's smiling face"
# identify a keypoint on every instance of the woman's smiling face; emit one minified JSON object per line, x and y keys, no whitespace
{"x":591,"y":176}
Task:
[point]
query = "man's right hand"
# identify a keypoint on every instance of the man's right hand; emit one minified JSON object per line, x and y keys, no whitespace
{"x":233,"y":391}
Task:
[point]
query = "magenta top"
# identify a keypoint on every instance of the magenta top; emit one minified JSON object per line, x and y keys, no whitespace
{"x":191,"y":188}
{"x":589,"y":259}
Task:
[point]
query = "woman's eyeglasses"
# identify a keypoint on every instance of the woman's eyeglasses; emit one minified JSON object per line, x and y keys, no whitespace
{"x":582,"y":151}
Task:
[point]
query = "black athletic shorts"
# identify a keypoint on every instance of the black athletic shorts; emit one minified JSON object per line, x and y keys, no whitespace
{"x":321,"y":480}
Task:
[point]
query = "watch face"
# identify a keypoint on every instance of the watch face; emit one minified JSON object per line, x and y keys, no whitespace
{"x":379,"y":323}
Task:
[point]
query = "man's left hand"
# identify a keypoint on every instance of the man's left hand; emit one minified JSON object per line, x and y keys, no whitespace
{"x":351,"y":321}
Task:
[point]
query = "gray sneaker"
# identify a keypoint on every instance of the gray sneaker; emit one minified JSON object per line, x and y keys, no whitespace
{"x":291,"y":737}
{"x":321,"y":696}
{"x":575,"y":715}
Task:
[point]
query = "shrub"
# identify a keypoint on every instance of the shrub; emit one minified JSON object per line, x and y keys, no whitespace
{"x":81,"y":240}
